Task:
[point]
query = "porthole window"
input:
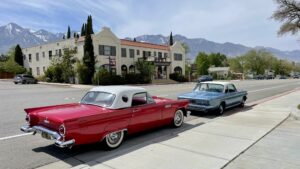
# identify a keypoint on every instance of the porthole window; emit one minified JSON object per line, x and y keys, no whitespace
{"x":125,"y":99}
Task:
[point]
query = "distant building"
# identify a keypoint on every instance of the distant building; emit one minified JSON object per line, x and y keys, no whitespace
{"x":219,"y":71}
{"x":112,"y":53}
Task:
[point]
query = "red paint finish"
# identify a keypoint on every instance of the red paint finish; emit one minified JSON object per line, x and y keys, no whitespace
{"x":90,"y":123}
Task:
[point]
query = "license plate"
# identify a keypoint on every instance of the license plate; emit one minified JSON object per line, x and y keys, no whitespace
{"x":46,"y":136}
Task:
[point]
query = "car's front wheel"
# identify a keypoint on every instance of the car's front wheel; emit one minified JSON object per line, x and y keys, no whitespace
{"x":243,"y":103}
{"x":220,"y":110}
{"x":114,"y":139}
{"x":178,"y":118}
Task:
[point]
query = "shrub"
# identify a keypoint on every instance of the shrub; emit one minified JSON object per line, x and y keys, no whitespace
{"x":178,"y":77}
{"x":103,"y":77}
{"x":136,"y":79}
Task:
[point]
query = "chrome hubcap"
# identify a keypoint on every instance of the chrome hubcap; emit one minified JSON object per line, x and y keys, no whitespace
{"x":113,"y":138}
{"x":178,"y":118}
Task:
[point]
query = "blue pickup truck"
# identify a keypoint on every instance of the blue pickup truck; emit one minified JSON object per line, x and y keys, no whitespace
{"x":214,"y":96}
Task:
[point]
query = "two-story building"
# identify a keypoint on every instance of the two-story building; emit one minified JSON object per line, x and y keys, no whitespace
{"x":116,"y":55}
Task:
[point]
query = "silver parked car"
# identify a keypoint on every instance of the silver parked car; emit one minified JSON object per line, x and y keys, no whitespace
{"x":25,"y":79}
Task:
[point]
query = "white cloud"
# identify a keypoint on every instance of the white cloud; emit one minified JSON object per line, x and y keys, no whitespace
{"x":239,"y":21}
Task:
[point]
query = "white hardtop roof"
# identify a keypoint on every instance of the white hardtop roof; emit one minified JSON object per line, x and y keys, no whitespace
{"x":218,"y":82}
{"x":119,"y":92}
{"x":118,"y":89}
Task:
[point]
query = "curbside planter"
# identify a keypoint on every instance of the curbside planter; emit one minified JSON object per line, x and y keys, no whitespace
{"x":296,"y":113}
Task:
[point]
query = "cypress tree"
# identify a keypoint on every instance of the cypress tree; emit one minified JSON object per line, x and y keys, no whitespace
{"x":19,"y":55}
{"x":91,"y":24}
{"x":74,"y":35}
{"x":82,"y":30}
{"x":171,"y":39}
{"x":69,"y":33}
{"x":134,"y":40}
{"x":89,"y":57}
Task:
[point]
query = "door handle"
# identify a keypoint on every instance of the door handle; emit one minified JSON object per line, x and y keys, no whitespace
{"x":136,"y":110}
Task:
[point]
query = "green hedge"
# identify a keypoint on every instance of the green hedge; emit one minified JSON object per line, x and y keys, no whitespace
{"x":178,"y":77}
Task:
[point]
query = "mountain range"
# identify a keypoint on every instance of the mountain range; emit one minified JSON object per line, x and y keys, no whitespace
{"x":12,"y":34}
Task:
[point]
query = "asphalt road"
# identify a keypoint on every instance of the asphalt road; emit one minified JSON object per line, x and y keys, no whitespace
{"x":25,"y":151}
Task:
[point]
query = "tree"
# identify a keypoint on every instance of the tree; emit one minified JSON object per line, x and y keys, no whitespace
{"x":10,"y":65}
{"x":134,"y":40}
{"x":89,"y":57}
{"x":202,"y":63}
{"x":83,"y":30}
{"x":62,"y":69}
{"x":237,"y":64}
{"x":288,"y":12}
{"x":146,"y":69}
{"x":18,"y":55}
{"x":69,"y":33}
{"x":171,"y":40}
{"x":217,"y":59}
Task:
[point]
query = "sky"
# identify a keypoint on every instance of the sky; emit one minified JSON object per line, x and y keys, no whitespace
{"x":238,"y":21}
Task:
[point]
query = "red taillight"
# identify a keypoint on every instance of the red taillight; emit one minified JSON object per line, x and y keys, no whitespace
{"x":62,"y":130}
{"x":27,"y":118}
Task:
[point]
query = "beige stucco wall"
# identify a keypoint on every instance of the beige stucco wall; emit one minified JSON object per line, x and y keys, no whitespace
{"x":44,"y":61}
{"x":104,"y":37}
{"x":177,"y":48}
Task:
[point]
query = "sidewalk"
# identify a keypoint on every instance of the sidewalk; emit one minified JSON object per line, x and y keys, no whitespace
{"x":209,"y":146}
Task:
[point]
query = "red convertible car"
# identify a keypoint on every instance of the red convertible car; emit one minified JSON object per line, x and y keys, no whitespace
{"x":104,"y":114}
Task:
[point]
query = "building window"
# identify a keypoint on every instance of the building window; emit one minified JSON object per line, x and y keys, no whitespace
{"x":154,"y":53}
{"x":159,"y":55}
{"x":43,"y":53}
{"x":107,"y":50}
{"x":137,"y":52}
{"x":123,"y":52}
{"x":165,"y":55}
{"x":24,"y":57}
{"x":44,"y":69}
{"x":50,"y":54}
{"x":29,"y":57}
{"x":149,"y":53}
{"x":59,"y":52}
{"x":131,"y":69}
{"x":124,"y":70}
{"x":57,"y":44}
{"x":30,"y":70}
{"x":177,"y":56}
{"x":37,"y":57}
{"x":56,"y":52}
{"x":38,"y":71}
{"x":131,"y":53}
{"x":178,"y":70}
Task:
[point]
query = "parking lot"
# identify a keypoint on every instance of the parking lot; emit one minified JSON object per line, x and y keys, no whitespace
{"x":33,"y":151}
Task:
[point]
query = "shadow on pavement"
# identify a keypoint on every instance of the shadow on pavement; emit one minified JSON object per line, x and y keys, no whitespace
{"x":97,"y":152}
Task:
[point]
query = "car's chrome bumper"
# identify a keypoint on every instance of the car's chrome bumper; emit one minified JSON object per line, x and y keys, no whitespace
{"x":200,"y":107}
{"x":48,"y":134}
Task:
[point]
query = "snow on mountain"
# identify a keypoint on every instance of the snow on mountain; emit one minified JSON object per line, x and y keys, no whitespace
{"x":12,"y":34}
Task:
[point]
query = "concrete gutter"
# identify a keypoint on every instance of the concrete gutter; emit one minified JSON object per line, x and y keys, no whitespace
{"x":209,"y":146}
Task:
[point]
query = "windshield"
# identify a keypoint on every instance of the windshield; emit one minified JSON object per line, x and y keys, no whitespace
{"x":209,"y":87}
{"x":102,"y":99}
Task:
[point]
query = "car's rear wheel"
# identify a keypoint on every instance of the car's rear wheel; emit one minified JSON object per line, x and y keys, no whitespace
{"x":178,"y":118}
{"x":114,"y":139}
